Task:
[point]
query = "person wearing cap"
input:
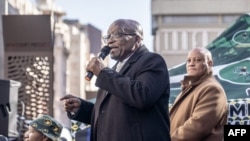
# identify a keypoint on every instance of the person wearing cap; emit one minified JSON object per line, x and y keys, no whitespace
{"x":43,"y":128}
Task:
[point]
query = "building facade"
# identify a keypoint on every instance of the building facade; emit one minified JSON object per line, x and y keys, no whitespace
{"x":72,"y":46}
{"x":179,"y":25}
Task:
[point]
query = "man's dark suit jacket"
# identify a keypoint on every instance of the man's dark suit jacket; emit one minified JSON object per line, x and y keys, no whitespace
{"x":131,"y":105}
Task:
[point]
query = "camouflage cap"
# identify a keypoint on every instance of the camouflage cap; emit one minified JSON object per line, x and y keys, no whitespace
{"x":47,"y":126}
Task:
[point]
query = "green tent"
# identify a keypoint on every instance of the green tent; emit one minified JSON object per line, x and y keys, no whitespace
{"x":231,"y":55}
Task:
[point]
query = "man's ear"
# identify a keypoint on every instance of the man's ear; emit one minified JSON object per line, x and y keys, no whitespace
{"x":210,"y":63}
{"x":138,"y":40}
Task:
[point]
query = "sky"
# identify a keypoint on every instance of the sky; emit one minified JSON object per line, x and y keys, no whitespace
{"x":101,"y":13}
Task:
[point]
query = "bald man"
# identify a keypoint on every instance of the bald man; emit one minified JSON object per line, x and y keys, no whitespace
{"x":200,"y":111}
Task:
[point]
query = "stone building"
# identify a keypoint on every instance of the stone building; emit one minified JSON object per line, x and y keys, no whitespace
{"x":179,"y":25}
{"x":72,"y":46}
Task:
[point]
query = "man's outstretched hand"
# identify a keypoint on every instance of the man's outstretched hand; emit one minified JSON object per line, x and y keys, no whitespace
{"x":71,"y":103}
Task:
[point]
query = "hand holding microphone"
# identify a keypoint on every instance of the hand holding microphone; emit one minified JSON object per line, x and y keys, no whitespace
{"x":96,"y":64}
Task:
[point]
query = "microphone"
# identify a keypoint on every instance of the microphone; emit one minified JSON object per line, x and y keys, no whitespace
{"x":104,"y":52}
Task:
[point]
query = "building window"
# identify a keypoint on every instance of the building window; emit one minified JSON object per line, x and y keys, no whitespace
{"x":190,"y":20}
{"x":229,"y":19}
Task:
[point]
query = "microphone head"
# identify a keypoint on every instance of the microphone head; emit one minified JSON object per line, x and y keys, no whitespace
{"x":105,"y":50}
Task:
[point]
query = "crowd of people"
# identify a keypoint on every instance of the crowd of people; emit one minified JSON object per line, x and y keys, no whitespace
{"x":132,"y":102}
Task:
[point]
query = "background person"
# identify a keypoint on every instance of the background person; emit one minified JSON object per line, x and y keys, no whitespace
{"x":132,"y":102}
{"x":44,"y":128}
{"x":199,"y":112}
